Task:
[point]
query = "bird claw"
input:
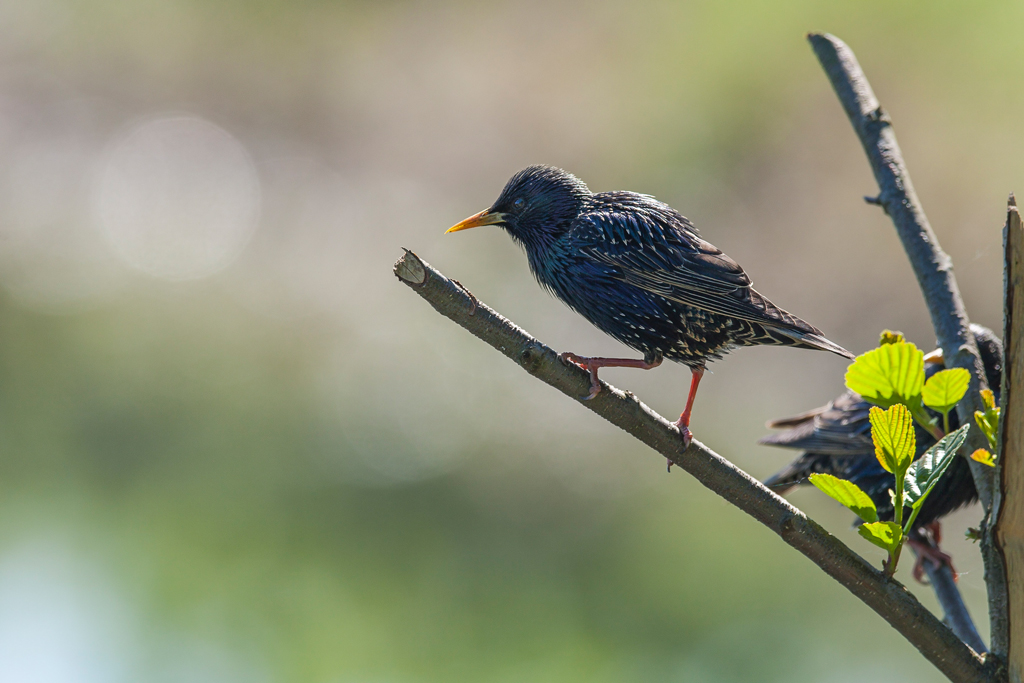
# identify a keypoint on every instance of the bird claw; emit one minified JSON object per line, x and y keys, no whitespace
{"x":687,"y":435}
{"x":929,"y":553}
{"x":583,"y":362}
{"x":570,"y":357}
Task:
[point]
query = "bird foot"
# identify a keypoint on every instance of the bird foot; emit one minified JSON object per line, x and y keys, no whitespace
{"x":684,"y":431}
{"x":583,"y":362}
{"x":926,"y":552}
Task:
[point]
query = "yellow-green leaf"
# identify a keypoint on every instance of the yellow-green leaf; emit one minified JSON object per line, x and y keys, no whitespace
{"x":989,"y":398}
{"x":945,"y":388}
{"x":847,"y":493}
{"x":892,"y":432}
{"x":988,"y":421}
{"x":984,"y":457}
{"x":890,"y":337}
{"x":886,"y":535}
{"x":892,"y":373}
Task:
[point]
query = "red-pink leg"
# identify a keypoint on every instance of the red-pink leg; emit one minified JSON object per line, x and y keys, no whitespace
{"x":593,"y":363}
{"x":927,"y":550}
{"x":683,"y":424}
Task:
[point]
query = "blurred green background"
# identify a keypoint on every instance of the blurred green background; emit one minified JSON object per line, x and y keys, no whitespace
{"x":234,"y":448}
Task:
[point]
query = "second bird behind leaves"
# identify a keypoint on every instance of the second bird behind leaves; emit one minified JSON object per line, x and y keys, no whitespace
{"x":836,"y":439}
{"x":638,"y":270}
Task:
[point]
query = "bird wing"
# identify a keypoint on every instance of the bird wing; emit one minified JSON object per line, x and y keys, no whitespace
{"x":839,"y":429}
{"x":650,"y":245}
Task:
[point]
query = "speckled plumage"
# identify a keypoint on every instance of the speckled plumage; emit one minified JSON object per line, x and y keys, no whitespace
{"x":836,"y":439}
{"x":639,"y":270}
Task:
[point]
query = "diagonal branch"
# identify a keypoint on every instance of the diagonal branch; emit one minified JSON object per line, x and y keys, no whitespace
{"x":934,"y":271}
{"x":884,"y":595}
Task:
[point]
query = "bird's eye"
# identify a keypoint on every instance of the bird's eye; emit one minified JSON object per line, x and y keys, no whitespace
{"x":519,"y":203}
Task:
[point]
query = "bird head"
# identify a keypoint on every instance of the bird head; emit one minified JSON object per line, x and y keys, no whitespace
{"x":991,"y":349}
{"x":537,"y":205}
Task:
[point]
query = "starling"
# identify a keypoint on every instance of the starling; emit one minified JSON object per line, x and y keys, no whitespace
{"x":836,"y":439}
{"x":639,"y":271}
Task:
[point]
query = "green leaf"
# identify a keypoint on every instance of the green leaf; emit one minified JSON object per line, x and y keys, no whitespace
{"x":892,"y":373}
{"x":847,"y":493}
{"x":984,"y":457}
{"x":886,"y":535}
{"x":892,"y":432}
{"x":924,"y":474}
{"x":945,"y":388}
{"x":890,"y":337}
{"x":988,"y":421}
{"x":988,"y":398}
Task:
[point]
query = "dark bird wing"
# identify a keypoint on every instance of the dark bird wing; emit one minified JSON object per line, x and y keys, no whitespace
{"x":834,"y":437}
{"x":652,"y":246}
{"x":840,"y":428}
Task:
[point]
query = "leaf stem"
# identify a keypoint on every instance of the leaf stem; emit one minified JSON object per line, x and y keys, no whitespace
{"x":897,"y":513}
{"x":913,"y":516}
{"x":897,"y":503}
{"x":929,"y":425}
{"x":894,"y":556}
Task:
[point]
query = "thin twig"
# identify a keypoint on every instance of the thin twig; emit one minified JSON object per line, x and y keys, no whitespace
{"x":934,"y":271}
{"x":956,"y":615}
{"x":884,"y":595}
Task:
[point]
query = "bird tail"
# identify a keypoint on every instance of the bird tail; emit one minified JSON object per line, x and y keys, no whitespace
{"x":787,"y":422}
{"x":790,"y":330}
{"x":812,"y":340}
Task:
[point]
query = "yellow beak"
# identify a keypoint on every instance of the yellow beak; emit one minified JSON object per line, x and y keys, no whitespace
{"x":485,"y":217}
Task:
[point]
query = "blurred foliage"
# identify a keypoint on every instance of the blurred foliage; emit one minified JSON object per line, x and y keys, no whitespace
{"x":293,"y":471}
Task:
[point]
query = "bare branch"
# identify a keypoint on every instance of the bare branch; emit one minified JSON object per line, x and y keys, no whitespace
{"x":934,"y":271}
{"x":1009,"y":527}
{"x":884,"y":595}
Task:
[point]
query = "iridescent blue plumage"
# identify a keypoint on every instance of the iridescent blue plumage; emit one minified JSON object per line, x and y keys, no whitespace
{"x":639,"y":271}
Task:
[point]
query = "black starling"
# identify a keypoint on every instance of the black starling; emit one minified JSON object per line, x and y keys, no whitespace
{"x":836,"y":439}
{"x":639,"y":271}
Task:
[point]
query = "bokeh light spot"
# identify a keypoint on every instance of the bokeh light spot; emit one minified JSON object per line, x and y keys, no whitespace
{"x":177,"y":197}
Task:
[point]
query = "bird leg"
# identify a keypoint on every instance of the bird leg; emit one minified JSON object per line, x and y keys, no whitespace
{"x":592,"y":364}
{"x":683,"y":424}
{"x":926,"y":545}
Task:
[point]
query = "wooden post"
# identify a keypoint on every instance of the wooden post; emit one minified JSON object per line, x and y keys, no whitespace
{"x":1009,"y":530}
